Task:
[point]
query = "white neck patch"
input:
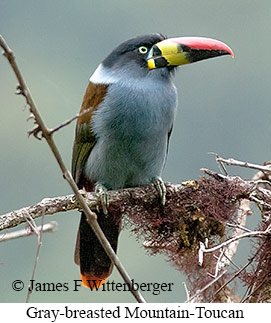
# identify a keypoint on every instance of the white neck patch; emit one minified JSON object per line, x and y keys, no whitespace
{"x":103,"y":76}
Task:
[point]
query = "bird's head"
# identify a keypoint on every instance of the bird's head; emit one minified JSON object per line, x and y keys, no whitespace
{"x":154,"y":54}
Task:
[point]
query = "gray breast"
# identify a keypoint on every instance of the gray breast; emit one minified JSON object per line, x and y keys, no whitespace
{"x":131,"y":127}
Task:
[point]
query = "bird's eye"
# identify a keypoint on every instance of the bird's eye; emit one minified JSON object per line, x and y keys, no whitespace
{"x":143,"y":49}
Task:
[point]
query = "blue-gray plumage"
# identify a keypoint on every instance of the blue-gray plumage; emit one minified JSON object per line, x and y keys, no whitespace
{"x":132,"y":125}
{"x":123,"y":133}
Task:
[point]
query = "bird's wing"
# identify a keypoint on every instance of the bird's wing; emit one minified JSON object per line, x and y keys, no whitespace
{"x":84,"y":138}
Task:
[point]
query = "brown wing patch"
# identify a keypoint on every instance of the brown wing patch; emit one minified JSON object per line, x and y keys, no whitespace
{"x":84,"y":137}
{"x":94,"y":95}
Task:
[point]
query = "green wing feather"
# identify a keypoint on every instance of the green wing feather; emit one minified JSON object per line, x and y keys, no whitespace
{"x":83,"y":144}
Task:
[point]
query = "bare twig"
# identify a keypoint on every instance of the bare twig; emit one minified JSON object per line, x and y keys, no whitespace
{"x":67,"y":122}
{"x":236,"y":274}
{"x":237,"y":226}
{"x":219,"y":264}
{"x":39,"y":235}
{"x":41,"y":128}
{"x":186,"y":291}
{"x":48,"y":227}
{"x":250,"y":234}
{"x":258,"y":201}
{"x":199,"y":292}
{"x":255,"y":290}
{"x":220,"y":164}
{"x":234,"y":162}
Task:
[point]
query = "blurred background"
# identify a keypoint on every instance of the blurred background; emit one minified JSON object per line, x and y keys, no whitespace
{"x":224,"y":107}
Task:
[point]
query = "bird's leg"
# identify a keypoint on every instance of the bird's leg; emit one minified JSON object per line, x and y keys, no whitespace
{"x":102,"y":193}
{"x":161,"y":188}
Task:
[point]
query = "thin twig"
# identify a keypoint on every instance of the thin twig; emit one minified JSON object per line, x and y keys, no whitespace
{"x":258,"y":201}
{"x":255,"y":289}
{"x":218,"y":264}
{"x":234,"y":162}
{"x":205,"y":287}
{"x":186,"y":291}
{"x":91,"y":216}
{"x":29,"y":290}
{"x":221,"y":164}
{"x":67,"y":122}
{"x":32,"y":224}
{"x":229,"y":260}
{"x":233,"y":239}
{"x":233,"y":277}
{"x":237,"y":226}
{"x":48,"y":227}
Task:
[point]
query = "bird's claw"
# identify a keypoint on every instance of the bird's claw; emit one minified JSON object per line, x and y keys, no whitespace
{"x":161,"y":188}
{"x":102,"y":193}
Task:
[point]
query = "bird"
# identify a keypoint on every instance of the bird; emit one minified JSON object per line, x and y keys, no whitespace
{"x":123,"y":130}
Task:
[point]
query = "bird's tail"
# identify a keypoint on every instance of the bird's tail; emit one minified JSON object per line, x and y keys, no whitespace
{"x":95,"y":265}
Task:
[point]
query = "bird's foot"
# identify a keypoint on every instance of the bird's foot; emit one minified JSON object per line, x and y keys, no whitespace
{"x":161,"y":188}
{"x":102,"y":194}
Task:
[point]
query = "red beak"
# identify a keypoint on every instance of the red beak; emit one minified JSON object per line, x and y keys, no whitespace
{"x":202,"y":43}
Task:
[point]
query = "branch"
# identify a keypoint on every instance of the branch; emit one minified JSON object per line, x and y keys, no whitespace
{"x":236,"y":274}
{"x":234,"y":162}
{"x":39,"y":235}
{"x":250,"y":234}
{"x":195,"y":211}
{"x":135,"y":200}
{"x":125,"y":198}
{"x":46,"y":133}
{"x":68,"y":122}
{"x":48,"y":227}
{"x":195,"y":299}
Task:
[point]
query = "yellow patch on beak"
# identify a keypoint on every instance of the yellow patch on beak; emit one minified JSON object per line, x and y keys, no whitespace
{"x":173,"y":53}
{"x":151,"y":64}
{"x":166,"y":53}
{"x":176,"y":59}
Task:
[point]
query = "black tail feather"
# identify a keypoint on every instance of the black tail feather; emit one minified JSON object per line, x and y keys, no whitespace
{"x":89,"y":253}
